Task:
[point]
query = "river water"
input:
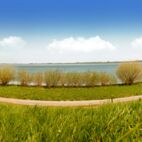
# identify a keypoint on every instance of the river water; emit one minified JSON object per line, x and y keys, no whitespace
{"x":100,"y":67}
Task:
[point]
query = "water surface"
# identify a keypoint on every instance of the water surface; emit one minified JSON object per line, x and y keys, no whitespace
{"x":101,"y":67}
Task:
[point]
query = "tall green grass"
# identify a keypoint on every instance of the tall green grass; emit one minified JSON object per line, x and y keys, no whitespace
{"x":119,"y":122}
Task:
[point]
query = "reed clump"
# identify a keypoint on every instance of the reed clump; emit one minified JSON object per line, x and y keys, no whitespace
{"x":38,"y":78}
{"x":7,"y":74}
{"x":106,"y":79}
{"x":90,"y":79}
{"x":24,"y":77}
{"x":130,"y":72}
{"x":73,"y":79}
{"x":52,"y":78}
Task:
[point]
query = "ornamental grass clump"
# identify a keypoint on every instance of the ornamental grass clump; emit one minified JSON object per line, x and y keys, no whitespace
{"x":7,"y":74}
{"x":130,"y":72}
{"x":90,"y":79}
{"x":24,"y":78}
{"x":52,"y":78}
{"x":62,"y":81}
{"x":73,"y":79}
{"x":38,"y":78}
{"x":106,"y":79}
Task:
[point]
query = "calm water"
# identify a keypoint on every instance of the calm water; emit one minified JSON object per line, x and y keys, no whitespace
{"x":105,"y":67}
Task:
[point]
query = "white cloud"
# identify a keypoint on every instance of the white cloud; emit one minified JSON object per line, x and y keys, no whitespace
{"x":12,"y":41}
{"x":137,"y":43}
{"x":80,"y":44}
{"x":15,"y":49}
{"x":67,"y":50}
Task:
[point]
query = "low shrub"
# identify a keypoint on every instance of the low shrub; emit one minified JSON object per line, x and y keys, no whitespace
{"x":73,"y":79}
{"x":7,"y":74}
{"x":62,"y":81}
{"x":130,"y":72}
{"x":52,"y":78}
{"x":38,"y":78}
{"x":90,"y":79}
{"x":106,"y":79}
{"x":24,"y":77}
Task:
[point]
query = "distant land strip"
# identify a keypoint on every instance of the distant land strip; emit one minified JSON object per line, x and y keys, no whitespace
{"x":94,"y":62}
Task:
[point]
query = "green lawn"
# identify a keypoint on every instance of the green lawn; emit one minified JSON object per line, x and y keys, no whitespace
{"x":70,"y":93}
{"x":114,"y":122}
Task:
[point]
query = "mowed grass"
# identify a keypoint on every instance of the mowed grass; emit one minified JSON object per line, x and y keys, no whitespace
{"x":116,"y":122}
{"x":40,"y":93}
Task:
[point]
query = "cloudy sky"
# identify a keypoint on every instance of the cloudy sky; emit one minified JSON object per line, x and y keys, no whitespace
{"x":42,"y":31}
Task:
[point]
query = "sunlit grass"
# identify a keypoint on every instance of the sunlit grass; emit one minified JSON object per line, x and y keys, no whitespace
{"x":106,"y":123}
{"x":92,"y":93}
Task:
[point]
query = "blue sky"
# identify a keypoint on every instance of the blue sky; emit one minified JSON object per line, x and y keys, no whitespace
{"x":41,"y":23}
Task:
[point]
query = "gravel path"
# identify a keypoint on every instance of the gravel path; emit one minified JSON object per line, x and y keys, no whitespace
{"x":68,"y":103}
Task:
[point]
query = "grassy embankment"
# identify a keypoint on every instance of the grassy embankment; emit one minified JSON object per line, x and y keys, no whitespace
{"x":94,"y":93}
{"x":106,"y":123}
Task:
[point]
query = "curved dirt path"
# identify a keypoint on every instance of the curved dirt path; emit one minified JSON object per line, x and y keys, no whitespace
{"x":68,"y":103}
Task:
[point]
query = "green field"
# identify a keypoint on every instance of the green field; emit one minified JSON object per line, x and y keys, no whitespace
{"x":38,"y":124}
{"x":38,"y":93}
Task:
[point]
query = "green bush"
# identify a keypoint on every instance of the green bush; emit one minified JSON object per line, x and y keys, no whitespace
{"x":130,"y":72}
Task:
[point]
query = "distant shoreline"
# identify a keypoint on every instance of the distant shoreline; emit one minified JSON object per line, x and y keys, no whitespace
{"x":99,"y":62}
